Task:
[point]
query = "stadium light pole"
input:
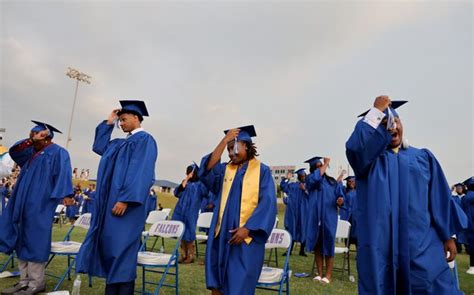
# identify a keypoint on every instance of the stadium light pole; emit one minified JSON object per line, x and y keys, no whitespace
{"x":79,"y":77}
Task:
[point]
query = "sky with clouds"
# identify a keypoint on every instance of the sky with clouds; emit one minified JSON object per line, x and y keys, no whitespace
{"x":299,"y":71}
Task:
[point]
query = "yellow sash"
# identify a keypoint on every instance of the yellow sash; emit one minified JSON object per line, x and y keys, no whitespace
{"x":3,"y":150}
{"x":250,"y":190}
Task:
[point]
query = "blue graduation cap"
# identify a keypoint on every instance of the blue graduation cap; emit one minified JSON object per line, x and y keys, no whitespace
{"x":136,"y":107}
{"x":349,"y":178}
{"x":459,"y":184}
{"x":195,"y":166}
{"x":469,"y":182}
{"x":313,"y":161}
{"x":395,"y":104}
{"x":300,"y":171}
{"x":246,"y":133}
{"x":40,"y":126}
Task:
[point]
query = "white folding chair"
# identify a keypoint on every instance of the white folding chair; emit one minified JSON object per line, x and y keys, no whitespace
{"x":267,"y":261}
{"x":153,"y":217}
{"x":343,"y":230}
{"x":58,"y":214}
{"x":10,"y":259}
{"x":271,"y":277}
{"x":203,"y":222}
{"x":149,"y":261}
{"x":167,"y":210}
{"x":69,"y":248}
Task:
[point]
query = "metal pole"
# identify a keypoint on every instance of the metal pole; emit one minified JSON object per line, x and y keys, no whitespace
{"x":68,"y":139}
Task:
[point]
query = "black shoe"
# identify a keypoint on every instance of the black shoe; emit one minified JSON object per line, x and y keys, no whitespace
{"x":303,"y":254}
{"x":15,"y":288}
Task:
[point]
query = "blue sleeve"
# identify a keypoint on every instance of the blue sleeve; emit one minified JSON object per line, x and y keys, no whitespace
{"x":178,"y":191}
{"x":340,"y":191}
{"x":467,"y":199}
{"x":439,"y":199}
{"x":213,"y":178}
{"x":140,"y":174}
{"x":21,"y":153}
{"x":62,"y":175}
{"x":103,"y":132}
{"x":458,"y":218}
{"x":204,"y":191}
{"x":285,"y":185}
{"x":261,"y":223}
{"x":365,"y":145}
{"x":313,"y":180}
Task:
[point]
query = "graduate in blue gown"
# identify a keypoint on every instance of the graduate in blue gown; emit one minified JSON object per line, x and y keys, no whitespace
{"x":44,"y":181}
{"x":349,"y":206}
{"x":244,"y":215}
{"x":403,"y":209}
{"x":325,"y":196}
{"x":208,"y":204}
{"x":88,"y":200}
{"x":468,"y":206}
{"x":72,"y":211}
{"x":190,"y":193}
{"x":296,"y":208}
{"x":126,"y":174}
{"x":151,"y":202}
{"x":457,"y":198}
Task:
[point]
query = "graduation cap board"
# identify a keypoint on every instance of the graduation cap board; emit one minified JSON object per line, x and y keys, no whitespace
{"x":40,"y":126}
{"x":395,"y":105}
{"x":245,"y":134}
{"x":134,"y":107}
{"x":300,"y":171}
{"x":313,"y":160}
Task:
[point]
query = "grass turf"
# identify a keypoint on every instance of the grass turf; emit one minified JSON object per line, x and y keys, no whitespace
{"x":192,"y":280}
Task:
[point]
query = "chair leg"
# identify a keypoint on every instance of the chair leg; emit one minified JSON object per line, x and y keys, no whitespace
{"x":5,"y":265}
{"x":90,"y":281}
{"x":154,"y":244}
{"x":177,"y":278}
{"x":143,"y":280}
{"x":63,"y":277}
{"x":276,"y":257}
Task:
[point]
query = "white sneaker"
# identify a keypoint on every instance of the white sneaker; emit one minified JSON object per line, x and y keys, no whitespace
{"x":470,"y":270}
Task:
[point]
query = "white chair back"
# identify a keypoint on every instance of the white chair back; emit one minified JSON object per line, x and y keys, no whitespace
{"x":167,"y":210}
{"x":59,"y":209}
{"x":167,"y":229}
{"x":279,"y":238}
{"x":343,"y":229}
{"x":155,"y":216}
{"x":204,"y":220}
{"x":83,"y":221}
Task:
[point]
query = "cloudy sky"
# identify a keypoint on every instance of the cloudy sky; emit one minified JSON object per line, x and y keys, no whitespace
{"x":299,"y":71}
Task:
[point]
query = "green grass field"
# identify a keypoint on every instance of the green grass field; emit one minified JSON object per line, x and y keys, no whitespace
{"x":192,"y":279}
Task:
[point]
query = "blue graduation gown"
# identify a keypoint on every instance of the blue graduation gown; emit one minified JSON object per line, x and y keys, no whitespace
{"x":460,"y":232}
{"x":187,"y":208}
{"x":210,"y":200}
{"x":295,"y":213}
{"x":73,"y":210}
{"x":88,"y":204}
{"x":403,"y":215}
{"x":468,"y":207}
{"x":126,"y":174}
{"x":235,"y":269}
{"x":44,"y":180}
{"x":347,"y":209}
{"x":322,"y":211}
{"x":151,"y":203}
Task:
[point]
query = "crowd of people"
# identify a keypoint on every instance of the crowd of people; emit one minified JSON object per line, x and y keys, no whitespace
{"x":405,"y":222}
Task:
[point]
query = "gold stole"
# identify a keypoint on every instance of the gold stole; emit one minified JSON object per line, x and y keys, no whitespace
{"x":250,"y":191}
{"x":3,"y":150}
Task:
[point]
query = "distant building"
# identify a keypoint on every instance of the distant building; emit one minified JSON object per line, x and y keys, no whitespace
{"x":165,"y":186}
{"x":278,"y":172}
